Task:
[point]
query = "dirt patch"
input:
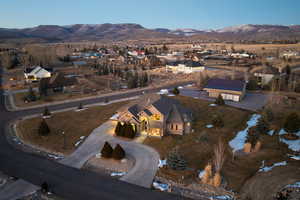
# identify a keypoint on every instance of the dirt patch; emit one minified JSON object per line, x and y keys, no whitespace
{"x":76,"y":125}
{"x":107,"y":166}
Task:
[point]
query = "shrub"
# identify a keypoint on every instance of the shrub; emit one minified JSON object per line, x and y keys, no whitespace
{"x":220,"y":100}
{"x":30,"y":95}
{"x":292,"y":123}
{"x":176,"y":91}
{"x":107,"y":150}
{"x":44,"y":129}
{"x":218,"y":121}
{"x":253,"y":136}
{"x":46,"y":112}
{"x":175,"y":161}
{"x":268,"y":115}
{"x":262,"y":126}
{"x":129,"y":131}
{"x":118,"y":129}
{"x":118,"y":153}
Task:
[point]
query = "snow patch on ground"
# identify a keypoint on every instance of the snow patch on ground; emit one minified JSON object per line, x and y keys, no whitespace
{"x":213,"y":104}
{"x":294,"y":157}
{"x":79,"y":141}
{"x":162,"y":163}
{"x":117,"y":173}
{"x":295,"y":185}
{"x":292,"y":144}
{"x":161,"y":186}
{"x":171,"y":95}
{"x":163,"y":91}
{"x":201,"y":173}
{"x":78,"y":110}
{"x":223,"y":197}
{"x":180,"y":87}
{"x":55,"y":157}
{"x":271,"y":132}
{"x":266,"y":168}
{"x":209,"y":126}
{"x":238,"y":142}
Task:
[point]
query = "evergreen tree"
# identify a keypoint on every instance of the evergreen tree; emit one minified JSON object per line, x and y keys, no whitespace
{"x":31,"y":95}
{"x":262,"y":126}
{"x":118,"y":129}
{"x":118,"y":153}
{"x":176,"y":91}
{"x":292,"y":123}
{"x":220,"y":100}
{"x":107,"y":150}
{"x":43,"y":129}
{"x":218,"y":121}
{"x":175,"y":160}
{"x":46,"y":112}
{"x":43,"y":87}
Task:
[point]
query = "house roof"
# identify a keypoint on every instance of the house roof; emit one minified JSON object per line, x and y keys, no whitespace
{"x":162,"y":103}
{"x":36,"y":69}
{"x":224,"y":84}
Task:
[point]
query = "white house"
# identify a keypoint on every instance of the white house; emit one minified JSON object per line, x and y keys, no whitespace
{"x":36,"y":73}
{"x":240,"y":55}
{"x":185,"y":67}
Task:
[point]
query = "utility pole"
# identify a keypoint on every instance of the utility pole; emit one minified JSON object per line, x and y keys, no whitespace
{"x":64,"y":135}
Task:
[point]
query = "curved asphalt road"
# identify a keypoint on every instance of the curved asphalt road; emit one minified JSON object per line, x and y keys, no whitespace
{"x":67,"y":182}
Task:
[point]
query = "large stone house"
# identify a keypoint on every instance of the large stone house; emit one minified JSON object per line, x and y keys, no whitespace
{"x":157,"y":115}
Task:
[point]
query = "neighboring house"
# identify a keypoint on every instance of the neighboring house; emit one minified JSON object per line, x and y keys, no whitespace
{"x":290,"y":54}
{"x":58,"y":83}
{"x":37,"y":73}
{"x":185,"y":67}
{"x":240,"y":55}
{"x":265,"y":75}
{"x":157,"y":115}
{"x":229,"y":89}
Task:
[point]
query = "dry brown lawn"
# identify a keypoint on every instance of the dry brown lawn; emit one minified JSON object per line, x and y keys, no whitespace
{"x":197,"y":147}
{"x":74,"y":124}
{"x":19,"y":98}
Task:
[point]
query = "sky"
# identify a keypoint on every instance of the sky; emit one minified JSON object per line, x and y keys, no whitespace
{"x":199,"y":14}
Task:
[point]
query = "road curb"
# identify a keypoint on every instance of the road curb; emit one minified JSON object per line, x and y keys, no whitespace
{"x":12,"y":104}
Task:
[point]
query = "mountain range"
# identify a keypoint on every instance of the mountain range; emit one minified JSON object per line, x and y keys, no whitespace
{"x":94,"y":32}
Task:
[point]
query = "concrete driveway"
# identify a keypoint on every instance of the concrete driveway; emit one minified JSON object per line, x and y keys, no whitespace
{"x":146,"y":158}
{"x":252,"y":101}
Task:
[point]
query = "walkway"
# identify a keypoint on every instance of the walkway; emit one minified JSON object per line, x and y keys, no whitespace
{"x":146,"y":158}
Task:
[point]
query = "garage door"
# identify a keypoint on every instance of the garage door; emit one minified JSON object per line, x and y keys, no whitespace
{"x":230,"y":97}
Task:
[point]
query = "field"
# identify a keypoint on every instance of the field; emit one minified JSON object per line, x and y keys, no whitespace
{"x":74,"y":124}
{"x":19,"y":98}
